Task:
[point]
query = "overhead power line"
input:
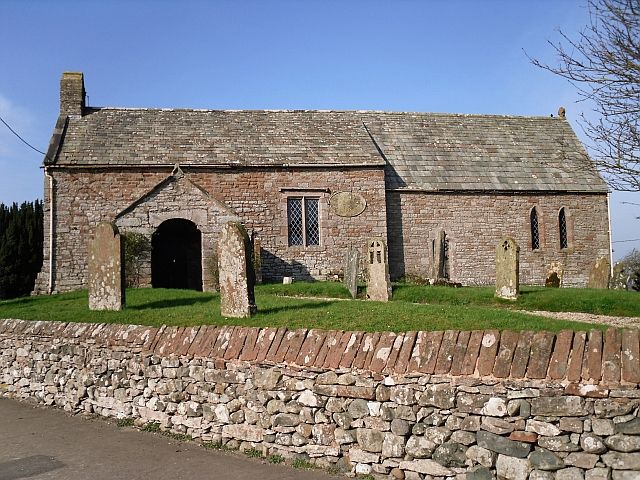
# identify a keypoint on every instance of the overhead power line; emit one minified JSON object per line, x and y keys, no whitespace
{"x":625,"y":241}
{"x":22,"y":139}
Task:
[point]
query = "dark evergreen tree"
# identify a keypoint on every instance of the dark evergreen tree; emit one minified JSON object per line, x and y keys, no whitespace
{"x":21,"y":236}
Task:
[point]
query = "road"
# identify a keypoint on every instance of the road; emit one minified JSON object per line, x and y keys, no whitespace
{"x":46,"y":443}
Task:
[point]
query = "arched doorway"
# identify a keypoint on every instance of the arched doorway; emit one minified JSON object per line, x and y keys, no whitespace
{"x":176,"y":255}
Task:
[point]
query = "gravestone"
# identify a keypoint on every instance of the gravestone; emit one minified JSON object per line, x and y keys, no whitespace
{"x":600,"y":274}
{"x":351,"y":267}
{"x":257,"y":257}
{"x":379,"y":285}
{"x":106,"y":269}
{"x":507,"y":269}
{"x":438,"y":255}
{"x":235,"y":266}
{"x":554,"y":275}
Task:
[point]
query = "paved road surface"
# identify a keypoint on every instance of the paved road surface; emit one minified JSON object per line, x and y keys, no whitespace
{"x":45,"y":443}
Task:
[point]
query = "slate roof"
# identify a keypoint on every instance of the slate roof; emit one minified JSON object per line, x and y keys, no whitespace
{"x":420,"y":151}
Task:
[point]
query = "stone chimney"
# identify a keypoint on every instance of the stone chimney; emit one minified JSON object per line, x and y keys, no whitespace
{"x":72,"y":93}
{"x":562,"y":113}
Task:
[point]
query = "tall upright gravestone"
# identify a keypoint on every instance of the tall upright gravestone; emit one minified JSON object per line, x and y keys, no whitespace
{"x":379,"y":286}
{"x":351,"y":267}
{"x":237,"y":278}
{"x":106,"y":269}
{"x":507,"y":269}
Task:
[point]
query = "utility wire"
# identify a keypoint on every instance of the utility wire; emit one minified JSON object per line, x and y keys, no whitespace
{"x":625,"y":241}
{"x":22,"y":139}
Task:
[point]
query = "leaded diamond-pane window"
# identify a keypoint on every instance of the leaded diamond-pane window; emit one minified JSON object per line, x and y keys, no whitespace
{"x":294,"y":214}
{"x":312,"y":225}
{"x":304,"y":221}
{"x":535,"y":232}
{"x":562,"y":225}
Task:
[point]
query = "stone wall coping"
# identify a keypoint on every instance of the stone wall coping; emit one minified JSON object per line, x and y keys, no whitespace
{"x":593,"y":358}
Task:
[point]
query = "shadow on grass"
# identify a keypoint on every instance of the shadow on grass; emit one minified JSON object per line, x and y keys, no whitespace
{"x":174,"y":302}
{"x":303,"y":306}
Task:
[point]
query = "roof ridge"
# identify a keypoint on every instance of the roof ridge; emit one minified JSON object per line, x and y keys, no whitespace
{"x":293,"y":110}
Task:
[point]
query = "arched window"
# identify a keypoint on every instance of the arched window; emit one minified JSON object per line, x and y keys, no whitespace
{"x":535,"y":230}
{"x":562,"y":226}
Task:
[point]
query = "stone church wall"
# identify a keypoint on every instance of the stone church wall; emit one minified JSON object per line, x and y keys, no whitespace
{"x":474,"y":223}
{"x":258,"y":196}
{"x":413,"y":406}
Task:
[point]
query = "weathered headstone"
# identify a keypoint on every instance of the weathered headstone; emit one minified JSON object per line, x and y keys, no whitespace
{"x":379,"y":285}
{"x":438,"y":255}
{"x":554,"y":275}
{"x":600,"y":274}
{"x":106,"y":269}
{"x":351,"y":267}
{"x":507,"y":269}
{"x":257,"y":257}
{"x":235,"y":267}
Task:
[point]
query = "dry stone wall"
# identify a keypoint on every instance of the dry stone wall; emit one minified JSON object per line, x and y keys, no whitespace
{"x":419,"y":405}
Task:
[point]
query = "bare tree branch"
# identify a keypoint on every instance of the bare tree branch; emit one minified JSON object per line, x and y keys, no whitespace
{"x":603,"y":63}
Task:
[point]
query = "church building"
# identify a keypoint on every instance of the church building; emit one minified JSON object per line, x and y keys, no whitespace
{"x":442,"y":189}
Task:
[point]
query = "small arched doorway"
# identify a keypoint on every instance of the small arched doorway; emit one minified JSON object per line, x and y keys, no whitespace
{"x":176,"y":255}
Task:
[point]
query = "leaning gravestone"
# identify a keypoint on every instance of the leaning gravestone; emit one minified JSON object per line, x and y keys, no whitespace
{"x":257,"y":257}
{"x":438,"y":253}
{"x":507,"y":269}
{"x":600,"y":274}
{"x":235,"y":266}
{"x":554,"y":275}
{"x":379,"y":285}
{"x":106,"y":269}
{"x":351,"y":267}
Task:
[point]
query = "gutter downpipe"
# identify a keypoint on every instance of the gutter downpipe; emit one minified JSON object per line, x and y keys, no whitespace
{"x":610,"y":235}
{"x":51,"y":214}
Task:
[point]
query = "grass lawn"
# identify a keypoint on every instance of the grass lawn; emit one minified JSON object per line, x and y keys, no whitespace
{"x":414,"y":308}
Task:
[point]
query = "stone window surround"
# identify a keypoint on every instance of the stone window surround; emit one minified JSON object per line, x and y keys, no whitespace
{"x":568,"y":230}
{"x":321,"y":194}
{"x":541,"y":230}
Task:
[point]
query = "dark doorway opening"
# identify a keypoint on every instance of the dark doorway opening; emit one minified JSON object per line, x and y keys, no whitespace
{"x":176,"y":255}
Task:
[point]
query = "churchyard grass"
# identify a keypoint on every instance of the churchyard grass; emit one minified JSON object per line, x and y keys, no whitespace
{"x":413,"y":308}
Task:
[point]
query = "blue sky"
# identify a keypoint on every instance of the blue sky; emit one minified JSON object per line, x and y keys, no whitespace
{"x":431,"y":56}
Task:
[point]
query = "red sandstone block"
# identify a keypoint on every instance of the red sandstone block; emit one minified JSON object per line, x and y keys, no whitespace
{"x":508,"y":344}
{"x":541,"y":349}
{"x":351,"y":349}
{"x":332,"y":338}
{"x":269,"y":343}
{"x":208,"y":342}
{"x":366,"y":345}
{"x":224,"y":335}
{"x":472,"y":352}
{"x":445,"y":352}
{"x":594,"y":355}
{"x":574,"y":370}
{"x":631,"y":355}
{"x":149,"y":344}
{"x":295,"y":343}
{"x":236,"y":343}
{"x":382,"y":352}
{"x":188,"y":336}
{"x":311,"y":347}
{"x":162,"y":347}
{"x":585,"y":390}
{"x":249,"y":352}
{"x":459,"y":352}
{"x":371,"y":351}
{"x":560,"y":357}
{"x":395,"y":353}
{"x":404,"y":356}
{"x":488,"y":352}
{"x":429,"y":355}
{"x":3,"y":326}
{"x":521,"y":355}
{"x":195,"y":349}
{"x":416,"y":353}
{"x":611,"y":356}
{"x":520,"y":436}
{"x":332,"y":360}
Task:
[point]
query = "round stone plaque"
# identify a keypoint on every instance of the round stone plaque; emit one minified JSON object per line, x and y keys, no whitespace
{"x":347,"y":204}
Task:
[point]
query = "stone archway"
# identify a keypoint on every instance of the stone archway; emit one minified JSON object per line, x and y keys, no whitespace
{"x":176,"y":255}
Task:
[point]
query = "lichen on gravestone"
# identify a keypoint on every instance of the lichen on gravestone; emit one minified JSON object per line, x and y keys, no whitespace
{"x":106,"y":269}
{"x":507,"y":269}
